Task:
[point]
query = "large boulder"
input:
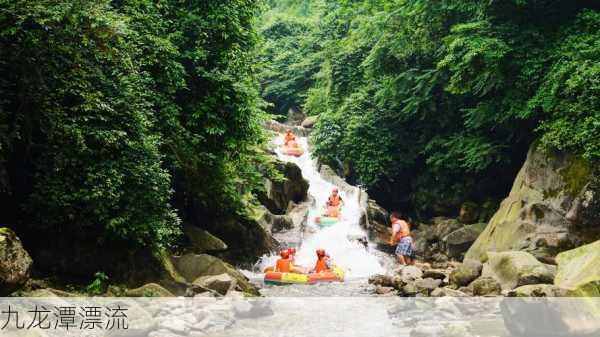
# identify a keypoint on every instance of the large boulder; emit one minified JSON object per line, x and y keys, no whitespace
{"x":309,"y":122}
{"x":222,"y":283}
{"x":246,"y":236}
{"x":579,"y":270}
{"x":553,"y":206}
{"x":15,"y":262}
{"x":458,"y":242}
{"x":279,"y":194}
{"x":514,"y":269}
{"x":193,"y":266}
{"x":486,"y":286}
{"x":466,"y":272}
{"x":202,"y":241}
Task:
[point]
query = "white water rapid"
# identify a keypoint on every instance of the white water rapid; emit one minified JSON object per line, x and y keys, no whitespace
{"x":358,"y":261}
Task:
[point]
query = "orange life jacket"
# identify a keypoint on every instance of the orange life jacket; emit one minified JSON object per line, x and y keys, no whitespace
{"x":283,"y":265}
{"x":321,"y":265}
{"x":288,"y":137}
{"x":334,"y":200}
{"x":404,"y":230}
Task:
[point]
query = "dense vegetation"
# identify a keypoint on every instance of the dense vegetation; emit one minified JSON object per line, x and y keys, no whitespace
{"x":116,"y":117}
{"x":431,"y":103}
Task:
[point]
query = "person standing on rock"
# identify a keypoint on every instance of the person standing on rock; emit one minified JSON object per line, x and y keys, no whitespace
{"x":401,"y":235}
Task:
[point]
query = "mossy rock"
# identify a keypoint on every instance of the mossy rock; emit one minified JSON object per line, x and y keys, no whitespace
{"x":202,"y":241}
{"x":579,"y":270}
{"x":514,"y":269}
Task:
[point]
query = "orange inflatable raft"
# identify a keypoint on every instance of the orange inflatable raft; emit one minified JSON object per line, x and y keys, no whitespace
{"x":292,"y":149}
{"x":275,"y":277}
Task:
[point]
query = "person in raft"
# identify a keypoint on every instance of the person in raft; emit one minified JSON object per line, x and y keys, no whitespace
{"x":286,"y":264}
{"x":401,"y":235}
{"x":288,"y":137}
{"x":324,"y":262}
{"x":334,"y":203}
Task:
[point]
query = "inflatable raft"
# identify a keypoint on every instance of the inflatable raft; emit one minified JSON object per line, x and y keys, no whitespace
{"x":326,"y":221}
{"x":292,"y":151}
{"x":274,"y":277}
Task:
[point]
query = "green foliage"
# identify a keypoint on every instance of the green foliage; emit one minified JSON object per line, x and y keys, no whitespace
{"x":98,"y":286}
{"x":115,"y":116}
{"x":414,"y":94}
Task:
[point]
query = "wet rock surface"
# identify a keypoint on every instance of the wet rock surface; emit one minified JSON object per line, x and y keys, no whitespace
{"x":15,"y":262}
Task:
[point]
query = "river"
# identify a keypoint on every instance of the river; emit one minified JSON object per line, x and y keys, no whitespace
{"x":338,"y":240}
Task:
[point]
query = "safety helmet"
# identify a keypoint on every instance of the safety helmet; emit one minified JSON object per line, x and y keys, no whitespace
{"x":321,"y":252}
{"x":284,"y":253}
{"x":292,"y":251}
{"x":335,"y":189}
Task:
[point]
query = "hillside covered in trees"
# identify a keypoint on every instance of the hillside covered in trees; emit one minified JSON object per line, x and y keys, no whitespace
{"x":429,"y":104}
{"x":124,"y":123}
{"x":121,"y":119}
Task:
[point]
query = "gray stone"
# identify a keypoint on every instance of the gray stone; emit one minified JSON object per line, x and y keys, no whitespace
{"x":176,"y":325}
{"x":485,"y":286}
{"x":441,"y":292}
{"x":427,"y":285}
{"x":254,"y":308}
{"x":435,"y":274}
{"x":221,"y":283}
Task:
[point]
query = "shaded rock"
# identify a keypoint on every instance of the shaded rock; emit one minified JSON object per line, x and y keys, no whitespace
{"x":193,"y":266}
{"x":15,"y":262}
{"x":485,"y":286}
{"x":514,"y":269}
{"x":247,"y":237}
{"x":458,"y":242}
{"x":149,"y":290}
{"x":309,"y":122}
{"x":279,"y":194}
{"x":469,"y":213}
{"x":466,"y":272}
{"x":552,"y":207}
{"x":221,"y":283}
{"x":435,"y":274}
{"x":579,"y":270}
{"x":377,"y":214}
{"x":202,"y":241}
{"x":538,"y":290}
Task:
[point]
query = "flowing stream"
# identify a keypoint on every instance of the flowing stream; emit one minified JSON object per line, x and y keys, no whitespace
{"x":339,"y":240}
